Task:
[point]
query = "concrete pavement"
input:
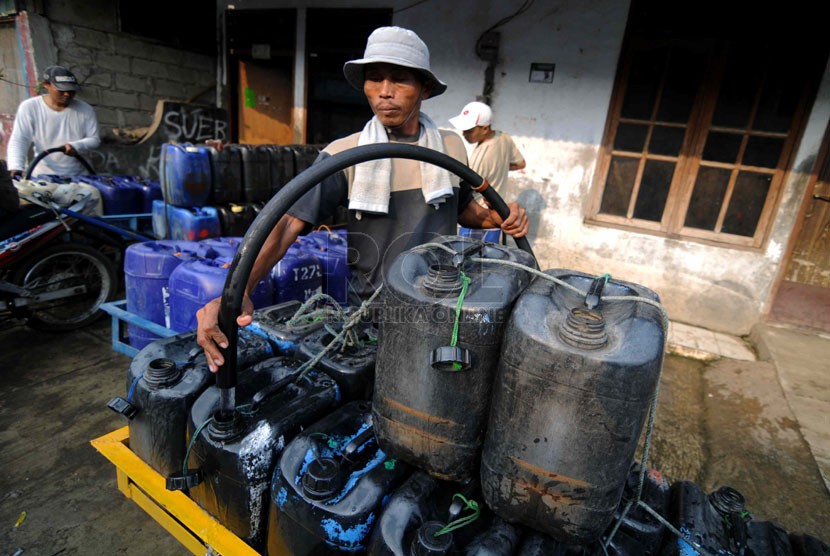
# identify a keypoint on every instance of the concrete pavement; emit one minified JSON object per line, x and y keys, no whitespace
{"x":802,"y":362}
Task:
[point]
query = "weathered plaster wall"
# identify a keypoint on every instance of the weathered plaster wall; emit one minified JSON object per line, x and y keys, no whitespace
{"x":123,"y":76}
{"x":559,"y":127}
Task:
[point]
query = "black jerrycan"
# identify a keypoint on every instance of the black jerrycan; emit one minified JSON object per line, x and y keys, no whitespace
{"x":164,"y":380}
{"x":713,"y":522}
{"x":575,"y":380}
{"x":283,"y":326}
{"x":350,"y":362}
{"x":639,"y":533}
{"x":765,"y":538}
{"x":535,"y":543}
{"x":233,"y":456}
{"x":431,"y":517}
{"x":442,"y":318}
{"x":806,"y":545}
{"x":330,"y":485}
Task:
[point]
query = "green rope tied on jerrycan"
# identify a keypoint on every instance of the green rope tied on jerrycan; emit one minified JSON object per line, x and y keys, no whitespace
{"x":461,"y":521}
{"x":465,"y":283}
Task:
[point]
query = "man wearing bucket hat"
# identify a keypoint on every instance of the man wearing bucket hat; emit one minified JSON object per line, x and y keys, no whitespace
{"x":394,"y":205}
{"x":56,"y":119}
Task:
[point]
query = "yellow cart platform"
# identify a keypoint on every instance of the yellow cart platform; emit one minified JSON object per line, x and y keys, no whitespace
{"x":197,"y":530}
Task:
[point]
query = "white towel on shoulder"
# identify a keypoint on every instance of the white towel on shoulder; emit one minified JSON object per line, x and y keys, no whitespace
{"x":373,"y":180}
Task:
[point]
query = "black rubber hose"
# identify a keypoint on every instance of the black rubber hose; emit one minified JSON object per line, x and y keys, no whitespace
{"x":47,"y":152}
{"x":243,"y":261}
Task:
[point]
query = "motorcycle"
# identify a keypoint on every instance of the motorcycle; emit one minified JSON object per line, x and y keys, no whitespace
{"x":57,"y":261}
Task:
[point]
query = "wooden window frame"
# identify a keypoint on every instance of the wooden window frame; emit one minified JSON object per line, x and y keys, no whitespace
{"x":688,"y":162}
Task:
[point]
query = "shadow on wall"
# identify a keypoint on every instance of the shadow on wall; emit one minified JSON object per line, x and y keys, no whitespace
{"x":534,"y":204}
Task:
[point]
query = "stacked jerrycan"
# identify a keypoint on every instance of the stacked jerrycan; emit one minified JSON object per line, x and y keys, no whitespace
{"x":297,"y":275}
{"x":713,"y":522}
{"x":164,"y":380}
{"x":185,"y":175}
{"x":351,"y":361}
{"x":232,"y":454}
{"x":639,"y":532}
{"x":215,"y":247}
{"x":442,"y":318}
{"x":196,"y":282}
{"x":118,"y":197}
{"x":428,"y":516}
{"x":235,"y":218}
{"x":150,"y":190}
{"x":226,"y":167}
{"x":147,"y":269}
{"x":576,"y":378}
{"x":186,"y":184}
{"x":286,"y":324}
{"x":281,"y":166}
{"x":330,"y":486}
{"x":185,"y":223}
{"x":331,"y":249}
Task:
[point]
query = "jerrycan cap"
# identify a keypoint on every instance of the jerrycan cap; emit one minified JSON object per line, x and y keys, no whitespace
{"x":426,"y":543}
{"x":162,"y":372}
{"x":322,"y":479}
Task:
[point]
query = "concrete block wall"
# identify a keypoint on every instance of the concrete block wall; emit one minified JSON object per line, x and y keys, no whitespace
{"x":123,"y":76}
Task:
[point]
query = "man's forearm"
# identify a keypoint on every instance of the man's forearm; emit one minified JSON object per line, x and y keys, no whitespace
{"x":86,"y":144}
{"x":277,"y":243}
{"x":16,"y":152}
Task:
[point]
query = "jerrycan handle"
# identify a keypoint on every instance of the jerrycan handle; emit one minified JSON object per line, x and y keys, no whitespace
{"x":450,"y":358}
{"x":363,"y":438}
{"x":260,"y":396}
{"x":595,"y":291}
{"x":184,"y":481}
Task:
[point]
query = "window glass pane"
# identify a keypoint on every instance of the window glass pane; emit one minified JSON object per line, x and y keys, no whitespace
{"x":630,"y":137}
{"x":654,"y":188}
{"x":666,"y":140}
{"x":618,"y":186}
{"x":681,"y":84}
{"x":746,"y":203}
{"x":722,"y":147}
{"x":779,"y":99}
{"x":641,"y":88}
{"x":707,"y":198}
{"x":736,"y":97}
{"x":763,"y":151}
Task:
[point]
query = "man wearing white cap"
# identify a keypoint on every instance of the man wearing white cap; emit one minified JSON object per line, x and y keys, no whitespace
{"x":495,"y":152}
{"x":393,"y":204}
{"x":56,"y":119}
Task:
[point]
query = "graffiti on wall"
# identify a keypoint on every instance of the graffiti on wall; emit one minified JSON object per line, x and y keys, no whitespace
{"x":185,"y":123}
{"x":178,"y":123}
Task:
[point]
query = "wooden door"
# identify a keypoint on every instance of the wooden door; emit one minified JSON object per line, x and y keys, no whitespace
{"x":803,"y":297}
{"x":265,"y":102}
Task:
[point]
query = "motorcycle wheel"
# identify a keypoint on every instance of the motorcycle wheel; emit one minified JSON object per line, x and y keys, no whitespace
{"x":66,"y":266}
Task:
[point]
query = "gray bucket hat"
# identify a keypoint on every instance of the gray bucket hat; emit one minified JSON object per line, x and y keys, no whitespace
{"x":393,"y":45}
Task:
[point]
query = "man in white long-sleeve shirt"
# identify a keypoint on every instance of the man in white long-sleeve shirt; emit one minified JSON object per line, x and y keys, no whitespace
{"x":56,"y":119}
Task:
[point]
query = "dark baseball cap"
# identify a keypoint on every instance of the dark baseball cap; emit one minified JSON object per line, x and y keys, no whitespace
{"x":61,"y":78}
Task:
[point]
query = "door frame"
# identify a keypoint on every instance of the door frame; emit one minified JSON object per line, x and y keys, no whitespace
{"x":806,"y":199}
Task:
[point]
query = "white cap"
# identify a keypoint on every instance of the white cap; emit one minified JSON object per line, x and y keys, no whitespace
{"x":393,"y":45}
{"x":474,"y":114}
